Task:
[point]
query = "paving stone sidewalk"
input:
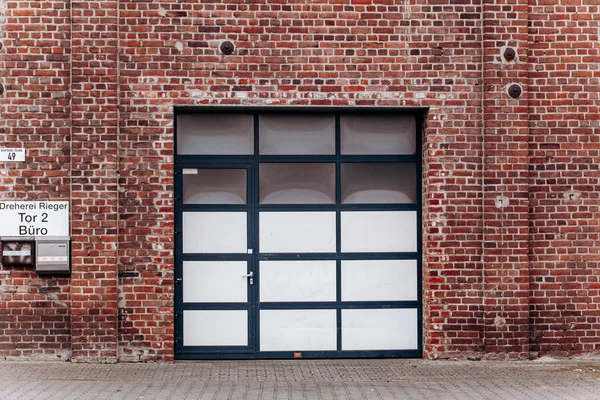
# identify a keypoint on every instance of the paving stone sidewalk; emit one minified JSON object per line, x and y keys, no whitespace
{"x":304,"y":379}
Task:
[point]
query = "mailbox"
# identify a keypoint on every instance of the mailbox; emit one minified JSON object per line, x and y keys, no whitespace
{"x":18,"y":251}
{"x":53,"y":255}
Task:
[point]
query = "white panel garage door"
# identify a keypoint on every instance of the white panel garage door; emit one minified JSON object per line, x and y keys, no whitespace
{"x":298,"y":235}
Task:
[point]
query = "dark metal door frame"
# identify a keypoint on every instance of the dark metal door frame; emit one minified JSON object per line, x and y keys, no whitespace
{"x":251,"y":163}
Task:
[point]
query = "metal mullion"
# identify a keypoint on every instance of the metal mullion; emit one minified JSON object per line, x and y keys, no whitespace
{"x":365,"y":305}
{"x":296,"y":207}
{"x":214,"y":257}
{"x":254,"y":202}
{"x":325,"y":158}
{"x":213,"y":352}
{"x":397,"y":158}
{"x":412,"y":255}
{"x":241,"y":354}
{"x":299,"y":305}
{"x":294,"y":109}
{"x":295,"y":256}
{"x":338,"y":234}
{"x":379,"y":207}
{"x":301,"y":159}
{"x":216,"y":306}
{"x":213,"y":207}
{"x":346,"y":305}
{"x":419,"y":178}
{"x":250,"y":245}
{"x":178,"y":273}
{"x":214,"y":161}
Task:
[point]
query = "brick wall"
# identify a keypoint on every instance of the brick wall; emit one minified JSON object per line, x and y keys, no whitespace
{"x":34,"y":113}
{"x":505,"y":184}
{"x":564,"y":177}
{"x":90,"y":89}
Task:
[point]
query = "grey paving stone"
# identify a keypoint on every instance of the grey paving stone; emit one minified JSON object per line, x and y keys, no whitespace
{"x":303,"y":380}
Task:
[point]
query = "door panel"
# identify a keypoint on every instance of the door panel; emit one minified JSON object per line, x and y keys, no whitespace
{"x":380,"y":329}
{"x":215,"y":281}
{"x":298,"y":330}
{"x":215,"y":232}
{"x":215,"y":328}
{"x":297,"y":232}
{"x":379,"y":231}
{"x":285,"y":281}
{"x":379,"y":280}
{"x":214,"y":186}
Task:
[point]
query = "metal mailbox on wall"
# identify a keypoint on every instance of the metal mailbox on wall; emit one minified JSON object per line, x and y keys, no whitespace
{"x":52,"y":256}
{"x":18,"y":251}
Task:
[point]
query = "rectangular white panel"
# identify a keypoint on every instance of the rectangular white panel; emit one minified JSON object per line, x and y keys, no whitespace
{"x":297,"y":281}
{"x":298,"y":330}
{"x":379,"y":231}
{"x":297,"y":232}
{"x":215,"y":281}
{"x":380,"y":329}
{"x":379,"y":280}
{"x":215,"y":328}
{"x":215,"y":232}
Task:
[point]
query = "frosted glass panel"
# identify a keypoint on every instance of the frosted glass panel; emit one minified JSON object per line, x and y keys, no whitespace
{"x":215,"y":328}
{"x":214,"y":186}
{"x":379,"y":231}
{"x":379,"y":280}
{"x":297,"y":281}
{"x":297,"y":232}
{"x":215,"y":232}
{"x":379,"y":183}
{"x":297,"y":183}
{"x":218,"y":134}
{"x":298,"y":330}
{"x":214,"y":281}
{"x":297,"y":134}
{"x":380,"y":329}
{"x":378,"y":134}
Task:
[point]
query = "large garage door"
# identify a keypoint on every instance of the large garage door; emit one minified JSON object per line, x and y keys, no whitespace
{"x":298,"y":234}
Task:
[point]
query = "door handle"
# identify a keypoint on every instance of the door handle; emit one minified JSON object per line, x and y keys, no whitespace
{"x":249,"y":275}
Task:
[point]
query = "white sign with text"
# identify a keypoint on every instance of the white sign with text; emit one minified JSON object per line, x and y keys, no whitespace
{"x":12,"y":154}
{"x":34,"y":218}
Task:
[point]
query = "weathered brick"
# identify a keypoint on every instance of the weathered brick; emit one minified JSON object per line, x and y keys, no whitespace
{"x":90,"y":89}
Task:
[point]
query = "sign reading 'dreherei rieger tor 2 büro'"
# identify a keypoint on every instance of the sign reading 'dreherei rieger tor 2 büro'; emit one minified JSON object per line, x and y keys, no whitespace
{"x":34,"y":218}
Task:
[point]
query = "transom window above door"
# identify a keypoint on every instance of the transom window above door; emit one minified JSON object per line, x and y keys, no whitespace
{"x":304,"y":158}
{"x":295,"y":134}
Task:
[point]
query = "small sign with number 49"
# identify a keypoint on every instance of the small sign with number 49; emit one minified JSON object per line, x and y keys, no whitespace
{"x":12,"y":154}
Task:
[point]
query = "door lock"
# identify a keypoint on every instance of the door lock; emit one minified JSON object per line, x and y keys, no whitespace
{"x":249,"y":275}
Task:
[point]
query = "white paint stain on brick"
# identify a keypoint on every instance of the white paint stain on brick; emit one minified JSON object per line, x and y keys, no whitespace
{"x":572,"y":195}
{"x":2,"y":15}
{"x":501,"y":201}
